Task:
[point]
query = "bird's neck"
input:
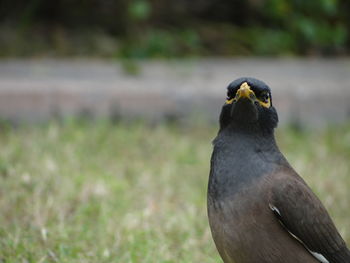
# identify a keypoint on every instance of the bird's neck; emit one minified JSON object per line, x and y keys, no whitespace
{"x":239,"y":158}
{"x":254,"y":139}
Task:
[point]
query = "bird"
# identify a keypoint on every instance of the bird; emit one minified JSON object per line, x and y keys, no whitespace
{"x":259,"y":209}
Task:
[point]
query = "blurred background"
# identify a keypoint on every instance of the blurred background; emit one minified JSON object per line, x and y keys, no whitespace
{"x":153,"y":28}
{"x":108,"y":109}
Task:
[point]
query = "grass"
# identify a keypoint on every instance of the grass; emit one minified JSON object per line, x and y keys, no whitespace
{"x":98,"y":192}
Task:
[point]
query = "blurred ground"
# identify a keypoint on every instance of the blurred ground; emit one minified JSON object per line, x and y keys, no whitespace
{"x":313,"y":91}
{"x":92,"y":192}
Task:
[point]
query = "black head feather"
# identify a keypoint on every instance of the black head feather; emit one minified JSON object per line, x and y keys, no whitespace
{"x":245,"y":114}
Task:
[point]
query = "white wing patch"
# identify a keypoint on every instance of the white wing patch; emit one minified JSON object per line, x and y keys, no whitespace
{"x":318,"y":256}
{"x":275,"y":209}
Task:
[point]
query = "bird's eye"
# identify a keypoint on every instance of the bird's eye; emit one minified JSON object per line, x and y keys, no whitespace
{"x":229,"y":95}
{"x":265,"y":97}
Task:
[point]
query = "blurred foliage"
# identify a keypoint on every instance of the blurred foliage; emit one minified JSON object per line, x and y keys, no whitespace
{"x":139,"y":10}
{"x":155,"y":28}
{"x":160,"y":43}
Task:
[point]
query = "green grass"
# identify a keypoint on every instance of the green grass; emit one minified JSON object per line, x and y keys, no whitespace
{"x":98,"y":192}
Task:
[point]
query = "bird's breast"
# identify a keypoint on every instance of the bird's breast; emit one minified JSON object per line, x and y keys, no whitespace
{"x":234,"y":169}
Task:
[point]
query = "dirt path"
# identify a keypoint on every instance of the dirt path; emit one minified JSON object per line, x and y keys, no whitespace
{"x":307,"y":91}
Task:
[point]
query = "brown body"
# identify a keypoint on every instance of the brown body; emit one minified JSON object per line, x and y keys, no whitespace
{"x":245,"y":229}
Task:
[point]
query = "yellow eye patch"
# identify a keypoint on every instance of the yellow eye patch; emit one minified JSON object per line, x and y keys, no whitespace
{"x":229,"y":101}
{"x":266,"y":104}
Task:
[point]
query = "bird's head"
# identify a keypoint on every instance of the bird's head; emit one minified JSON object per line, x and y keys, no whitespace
{"x":248,"y":106}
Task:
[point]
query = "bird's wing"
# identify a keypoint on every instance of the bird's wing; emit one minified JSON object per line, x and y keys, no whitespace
{"x":305,"y":218}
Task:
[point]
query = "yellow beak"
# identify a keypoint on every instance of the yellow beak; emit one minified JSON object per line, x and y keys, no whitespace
{"x":243,"y":92}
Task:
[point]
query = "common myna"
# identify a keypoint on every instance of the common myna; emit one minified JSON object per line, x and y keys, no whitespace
{"x":260,"y":210}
